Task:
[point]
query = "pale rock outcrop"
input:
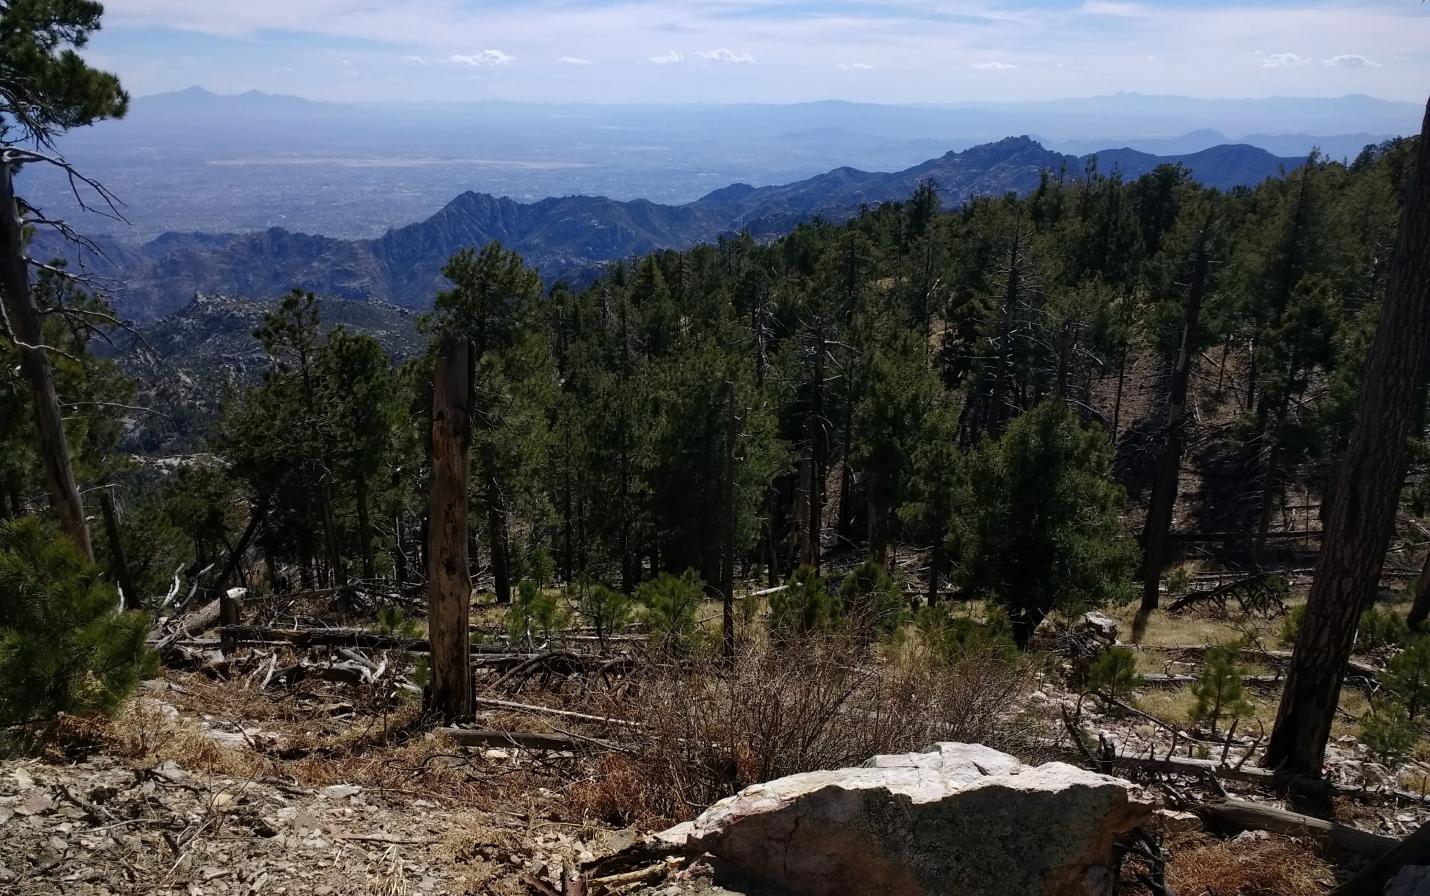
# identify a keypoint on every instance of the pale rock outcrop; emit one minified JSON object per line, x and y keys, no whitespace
{"x":958,"y":820}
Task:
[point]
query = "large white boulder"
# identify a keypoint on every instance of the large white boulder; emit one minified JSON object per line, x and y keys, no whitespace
{"x":959,"y":820}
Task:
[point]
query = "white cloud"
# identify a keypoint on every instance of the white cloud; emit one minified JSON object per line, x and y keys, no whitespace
{"x":415,"y":60}
{"x":992,"y":66}
{"x":574,"y":60}
{"x":670,"y":58}
{"x":1350,"y":60}
{"x":1284,"y":60}
{"x":484,"y":58}
{"x":1112,"y":8}
{"x":725,"y":54}
{"x":855,"y":67}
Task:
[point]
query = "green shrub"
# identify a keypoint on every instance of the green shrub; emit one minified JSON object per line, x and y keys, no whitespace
{"x":64,"y":647}
{"x":1291,"y":626}
{"x":803,"y":606}
{"x":392,"y":620}
{"x":1219,"y":692}
{"x":873,"y":600}
{"x":1388,"y":731}
{"x":1114,"y":673}
{"x":1039,"y":522}
{"x":668,"y":605}
{"x":951,"y":637}
{"x":1408,"y":676}
{"x":605,"y":610}
{"x":533,"y":613}
{"x":1379,"y":629}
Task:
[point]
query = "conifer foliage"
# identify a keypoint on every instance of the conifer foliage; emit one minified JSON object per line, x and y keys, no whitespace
{"x":64,"y":645}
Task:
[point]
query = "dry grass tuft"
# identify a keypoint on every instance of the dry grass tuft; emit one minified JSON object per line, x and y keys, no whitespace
{"x":712,"y":729}
{"x":1277,"y":866}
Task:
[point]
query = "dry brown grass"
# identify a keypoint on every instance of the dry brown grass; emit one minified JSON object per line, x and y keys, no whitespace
{"x":1204,"y":866}
{"x":710,"y":730}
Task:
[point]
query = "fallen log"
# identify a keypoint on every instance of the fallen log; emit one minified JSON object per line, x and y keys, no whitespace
{"x":320,"y":637}
{"x":1244,"y":815}
{"x":1254,"y":654}
{"x":526,"y":740}
{"x":1155,"y":680}
{"x":1253,"y":774}
{"x":546,"y":710}
{"x":1371,"y":881}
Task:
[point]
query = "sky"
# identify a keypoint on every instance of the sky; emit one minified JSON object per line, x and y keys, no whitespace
{"x":900,"y":51}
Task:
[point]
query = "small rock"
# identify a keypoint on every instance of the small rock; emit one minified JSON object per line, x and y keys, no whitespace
{"x":35,"y":804}
{"x":1176,"y":822}
{"x":340,"y":791}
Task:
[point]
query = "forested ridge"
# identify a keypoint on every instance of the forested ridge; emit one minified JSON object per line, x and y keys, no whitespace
{"x":857,"y":365}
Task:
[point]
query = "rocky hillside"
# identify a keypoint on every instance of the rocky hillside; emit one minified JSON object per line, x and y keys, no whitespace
{"x":185,"y":362}
{"x":571,"y":237}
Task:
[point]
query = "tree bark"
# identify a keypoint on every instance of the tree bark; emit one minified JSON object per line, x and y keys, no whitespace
{"x":1169,"y":463}
{"x":449,"y":693}
{"x":1361,"y":517}
{"x":118,"y":565}
{"x":24,"y":326}
{"x":727,"y":552}
{"x":1420,"y":609}
{"x":497,"y":527}
{"x":369,"y":563}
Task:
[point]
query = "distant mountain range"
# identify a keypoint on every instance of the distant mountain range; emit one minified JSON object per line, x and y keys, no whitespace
{"x":571,"y":237}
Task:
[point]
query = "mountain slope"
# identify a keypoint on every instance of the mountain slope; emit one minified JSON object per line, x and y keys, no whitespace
{"x":571,"y":237}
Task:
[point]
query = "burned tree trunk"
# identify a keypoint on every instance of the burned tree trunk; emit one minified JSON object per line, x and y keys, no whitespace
{"x":23,"y":319}
{"x":1169,"y":462}
{"x":727,"y":535}
{"x":1361,"y":516}
{"x":118,"y":565}
{"x":449,"y":693}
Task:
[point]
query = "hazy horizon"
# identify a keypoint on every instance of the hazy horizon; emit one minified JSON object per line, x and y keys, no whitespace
{"x":780,"y":51}
{"x":831,"y":100}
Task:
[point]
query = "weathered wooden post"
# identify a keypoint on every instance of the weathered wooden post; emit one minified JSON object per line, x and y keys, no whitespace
{"x":449,"y":692}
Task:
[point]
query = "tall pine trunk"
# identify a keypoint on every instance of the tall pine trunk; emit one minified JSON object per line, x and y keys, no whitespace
{"x":24,"y":319}
{"x":497,"y":539}
{"x":1169,"y":462}
{"x":1361,"y":518}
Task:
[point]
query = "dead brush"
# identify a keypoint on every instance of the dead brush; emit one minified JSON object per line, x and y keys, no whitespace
{"x":1276,"y":866}
{"x":710,"y":729}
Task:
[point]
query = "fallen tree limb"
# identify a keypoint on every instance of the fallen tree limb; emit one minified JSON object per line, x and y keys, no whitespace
{"x":527,"y":740}
{"x":1257,"y":817}
{"x":546,"y":710}
{"x":1413,"y":850}
{"x":1251,"y":774}
{"x":320,"y":637}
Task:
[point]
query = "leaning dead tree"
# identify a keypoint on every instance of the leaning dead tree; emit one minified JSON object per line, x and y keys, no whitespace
{"x":22,"y":323}
{"x":1169,"y":462}
{"x":1361,"y":515}
{"x":449,"y":693}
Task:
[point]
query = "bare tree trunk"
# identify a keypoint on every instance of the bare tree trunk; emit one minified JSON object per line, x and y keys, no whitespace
{"x":1361,"y":517}
{"x":1420,"y":609}
{"x":497,"y":526}
{"x":1169,"y":462}
{"x":449,"y":694}
{"x":228,"y":609}
{"x":727,"y":552}
{"x":23,"y":319}
{"x":118,"y":565}
{"x":369,"y":563}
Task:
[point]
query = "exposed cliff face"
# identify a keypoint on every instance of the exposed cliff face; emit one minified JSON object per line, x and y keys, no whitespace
{"x":571,"y":237}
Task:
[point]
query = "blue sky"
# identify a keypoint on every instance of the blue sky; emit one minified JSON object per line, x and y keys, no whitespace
{"x":922,"y":51}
